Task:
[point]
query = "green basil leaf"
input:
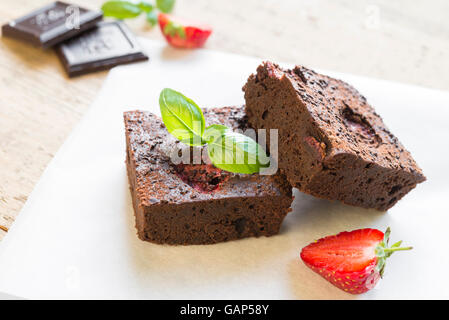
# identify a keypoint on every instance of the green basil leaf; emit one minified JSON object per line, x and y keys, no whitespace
{"x":234,"y":152}
{"x":120,"y":9}
{"x":152,"y":17}
{"x":145,"y":6}
{"x":165,"y":6}
{"x":182,"y":117}
{"x":213,"y":132}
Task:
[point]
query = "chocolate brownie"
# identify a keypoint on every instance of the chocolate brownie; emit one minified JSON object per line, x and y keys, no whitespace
{"x":332,"y":143}
{"x":186,"y":203}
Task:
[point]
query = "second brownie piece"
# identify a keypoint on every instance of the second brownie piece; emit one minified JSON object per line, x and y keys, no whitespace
{"x":332,"y":144}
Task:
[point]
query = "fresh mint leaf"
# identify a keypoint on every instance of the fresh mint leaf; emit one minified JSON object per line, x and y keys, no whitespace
{"x":145,"y":6}
{"x":234,"y":152}
{"x":165,"y":6}
{"x":182,"y":117}
{"x":152,"y":18}
{"x":120,"y":9}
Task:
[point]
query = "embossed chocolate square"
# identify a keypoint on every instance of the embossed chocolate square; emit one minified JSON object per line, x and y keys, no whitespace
{"x":107,"y":45}
{"x":52,"y":24}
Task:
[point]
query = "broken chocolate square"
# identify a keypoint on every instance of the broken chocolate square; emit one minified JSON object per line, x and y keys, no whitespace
{"x":107,"y":45}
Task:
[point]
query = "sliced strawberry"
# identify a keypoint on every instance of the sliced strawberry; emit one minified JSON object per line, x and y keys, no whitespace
{"x":181,"y":33}
{"x":353,"y":261}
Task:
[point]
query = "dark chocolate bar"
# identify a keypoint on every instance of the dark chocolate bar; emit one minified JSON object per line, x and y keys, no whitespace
{"x":52,"y":24}
{"x":107,"y":45}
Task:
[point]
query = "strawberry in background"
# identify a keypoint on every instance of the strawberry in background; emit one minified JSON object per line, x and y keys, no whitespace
{"x":178,"y":32}
{"x":352,"y":261}
{"x":181,"y":33}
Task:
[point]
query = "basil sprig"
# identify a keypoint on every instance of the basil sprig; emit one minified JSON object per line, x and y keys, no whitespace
{"x":227,"y":150}
{"x":166,"y":6}
{"x":152,"y":17}
{"x":122,"y":9}
{"x":182,"y":117}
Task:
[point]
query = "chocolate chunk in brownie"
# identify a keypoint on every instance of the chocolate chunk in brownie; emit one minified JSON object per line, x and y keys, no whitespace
{"x":196,"y":203}
{"x":332,"y":143}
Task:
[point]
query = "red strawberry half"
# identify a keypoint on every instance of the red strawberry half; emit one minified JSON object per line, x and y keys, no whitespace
{"x":353,"y":261}
{"x":181,"y":33}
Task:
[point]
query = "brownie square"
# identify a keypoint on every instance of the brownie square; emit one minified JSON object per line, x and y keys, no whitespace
{"x":197,"y":203}
{"x":332,"y":143}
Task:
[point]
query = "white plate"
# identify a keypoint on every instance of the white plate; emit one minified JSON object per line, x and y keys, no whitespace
{"x":75,"y":236}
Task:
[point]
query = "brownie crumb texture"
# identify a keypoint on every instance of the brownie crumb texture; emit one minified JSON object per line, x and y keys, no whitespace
{"x":202,"y":177}
{"x":332,"y":143}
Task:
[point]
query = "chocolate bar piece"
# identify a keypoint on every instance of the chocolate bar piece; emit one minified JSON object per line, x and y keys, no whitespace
{"x":52,"y":24}
{"x":105,"y":46}
{"x":197,"y":203}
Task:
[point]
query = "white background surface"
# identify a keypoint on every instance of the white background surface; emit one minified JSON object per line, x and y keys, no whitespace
{"x":84,"y":192}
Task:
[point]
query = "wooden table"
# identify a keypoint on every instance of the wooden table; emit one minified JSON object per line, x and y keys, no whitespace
{"x":39,"y":105}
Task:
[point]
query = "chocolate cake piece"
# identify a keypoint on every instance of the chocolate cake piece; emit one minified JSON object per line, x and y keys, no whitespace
{"x":332,"y":143}
{"x":197,"y":203}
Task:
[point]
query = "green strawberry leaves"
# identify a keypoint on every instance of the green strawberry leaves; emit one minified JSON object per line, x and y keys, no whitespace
{"x":227,"y":150}
{"x":172,"y":29}
{"x":123,"y":9}
{"x":383,"y":252}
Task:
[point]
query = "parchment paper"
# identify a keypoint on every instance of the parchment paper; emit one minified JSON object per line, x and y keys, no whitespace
{"x":75,"y":236}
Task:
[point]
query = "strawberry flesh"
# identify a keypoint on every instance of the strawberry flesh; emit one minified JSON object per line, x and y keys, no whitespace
{"x":347,"y":260}
{"x":202,"y":177}
{"x":181,"y":33}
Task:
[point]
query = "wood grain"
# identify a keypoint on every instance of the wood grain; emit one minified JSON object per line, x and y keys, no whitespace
{"x":39,"y":105}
